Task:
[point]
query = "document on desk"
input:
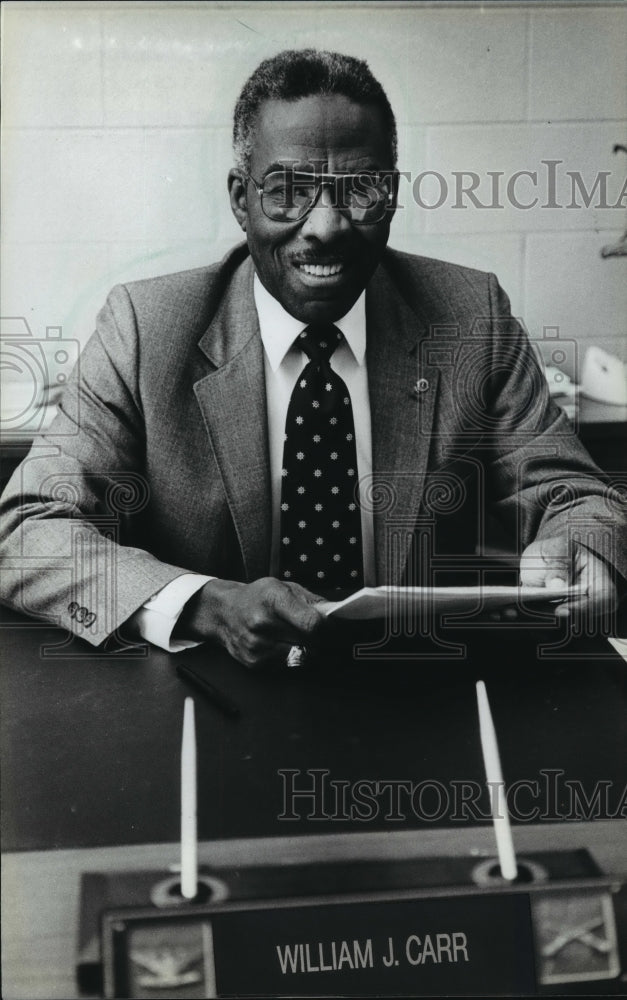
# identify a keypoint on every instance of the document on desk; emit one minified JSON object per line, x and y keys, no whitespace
{"x":620,"y":645}
{"x":379,"y":602}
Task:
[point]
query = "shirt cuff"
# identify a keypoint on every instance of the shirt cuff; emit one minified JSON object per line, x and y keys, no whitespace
{"x":156,"y":619}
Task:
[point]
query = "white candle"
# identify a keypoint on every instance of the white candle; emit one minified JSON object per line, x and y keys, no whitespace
{"x":189,"y":840}
{"x":496,"y":786}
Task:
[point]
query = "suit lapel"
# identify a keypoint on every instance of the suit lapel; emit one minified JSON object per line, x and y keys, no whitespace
{"x":402,"y":419}
{"x":233,"y":404}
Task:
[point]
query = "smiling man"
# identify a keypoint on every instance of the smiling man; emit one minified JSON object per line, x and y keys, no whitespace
{"x":290,"y":422}
{"x":316,"y":263}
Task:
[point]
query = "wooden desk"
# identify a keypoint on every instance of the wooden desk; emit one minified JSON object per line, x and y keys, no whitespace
{"x":40,"y":889}
{"x":90,"y":762}
{"x":90,"y":743}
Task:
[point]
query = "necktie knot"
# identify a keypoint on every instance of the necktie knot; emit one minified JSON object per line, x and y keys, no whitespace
{"x":319,"y":341}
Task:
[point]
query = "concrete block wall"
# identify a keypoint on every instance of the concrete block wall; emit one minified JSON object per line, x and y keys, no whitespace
{"x":117,"y":143}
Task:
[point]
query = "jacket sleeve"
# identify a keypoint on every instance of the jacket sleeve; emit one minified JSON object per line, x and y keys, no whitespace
{"x":541,"y":479}
{"x":65,"y":511}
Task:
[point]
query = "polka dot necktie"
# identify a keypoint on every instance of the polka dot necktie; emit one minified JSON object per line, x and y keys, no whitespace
{"x":320,"y":545}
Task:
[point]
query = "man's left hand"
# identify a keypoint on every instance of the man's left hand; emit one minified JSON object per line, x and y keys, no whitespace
{"x":555,"y":562}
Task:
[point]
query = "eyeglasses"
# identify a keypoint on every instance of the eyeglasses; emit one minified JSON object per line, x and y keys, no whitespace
{"x":288,"y":196}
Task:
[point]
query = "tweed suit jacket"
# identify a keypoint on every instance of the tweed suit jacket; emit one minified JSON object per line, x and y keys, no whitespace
{"x":158,"y":463}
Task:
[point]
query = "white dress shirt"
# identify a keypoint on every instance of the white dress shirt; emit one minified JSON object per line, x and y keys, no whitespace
{"x":283,"y":363}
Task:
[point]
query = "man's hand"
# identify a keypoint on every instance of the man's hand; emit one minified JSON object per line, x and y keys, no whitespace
{"x":553,"y":562}
{"x":256,"y":622}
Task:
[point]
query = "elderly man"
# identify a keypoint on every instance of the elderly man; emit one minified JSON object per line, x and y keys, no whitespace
{"x":246,"y":436}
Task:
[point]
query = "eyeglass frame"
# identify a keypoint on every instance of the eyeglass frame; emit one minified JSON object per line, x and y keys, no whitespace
{"x":325,"y":180}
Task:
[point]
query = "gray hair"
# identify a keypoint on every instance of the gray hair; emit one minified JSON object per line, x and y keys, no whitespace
{"x":297,"y":73}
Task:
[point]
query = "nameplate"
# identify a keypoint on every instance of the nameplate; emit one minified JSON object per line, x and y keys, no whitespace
{"x":419,"y":927}
{"x":413,"y":947}
{"x":418,"y":947}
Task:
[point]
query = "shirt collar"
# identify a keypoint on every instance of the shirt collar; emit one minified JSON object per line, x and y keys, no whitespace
{"x":279,"y":329}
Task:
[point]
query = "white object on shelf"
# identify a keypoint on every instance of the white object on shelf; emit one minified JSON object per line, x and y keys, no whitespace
{"x":604,"y":377}
{"x":560,"y":384}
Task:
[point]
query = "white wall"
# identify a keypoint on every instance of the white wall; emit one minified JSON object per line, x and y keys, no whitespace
{"x":117,"y":142}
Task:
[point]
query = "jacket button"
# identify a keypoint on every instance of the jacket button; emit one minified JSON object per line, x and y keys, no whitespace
{"x":421,"y":385}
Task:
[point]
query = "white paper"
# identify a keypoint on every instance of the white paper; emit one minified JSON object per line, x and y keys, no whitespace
{"x":379,"y":602}
{"x":620,"y":645}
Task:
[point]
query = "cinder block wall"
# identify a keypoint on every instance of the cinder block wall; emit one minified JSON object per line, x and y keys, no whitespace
{"x":117,"y":144}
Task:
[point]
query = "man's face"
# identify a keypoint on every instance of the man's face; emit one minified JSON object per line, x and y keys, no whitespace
{"x":332,"y":135}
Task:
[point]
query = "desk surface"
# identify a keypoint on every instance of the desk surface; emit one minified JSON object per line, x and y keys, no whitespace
{"x":91,"y":744}
{"x":41,"y":888}
{"x":90,"y":750}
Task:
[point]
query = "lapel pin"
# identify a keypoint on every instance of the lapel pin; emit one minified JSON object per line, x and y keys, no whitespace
{"x":421,"y":386}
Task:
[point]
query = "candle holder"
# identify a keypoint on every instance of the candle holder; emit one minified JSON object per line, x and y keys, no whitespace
{"x":168,"y":892}
{"x":424,"y":926}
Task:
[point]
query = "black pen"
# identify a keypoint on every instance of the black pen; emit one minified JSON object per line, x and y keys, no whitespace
{"x":205,"y":687}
